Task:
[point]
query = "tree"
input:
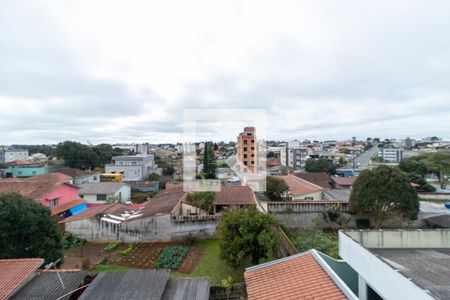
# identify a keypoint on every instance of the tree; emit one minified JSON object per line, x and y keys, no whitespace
{"x":202,"y":200}
{"x":209,"y":164}
{"x":77,"y":155}
{"x":153,"y":177}
{"x":275,"y":188}
{"x":167,"y":168}
{"x":320,"y":165}
{"x":247,"y":234}
{"x":104,"y":153}
{"x":382,"y":193}
{"x":27,"y":230}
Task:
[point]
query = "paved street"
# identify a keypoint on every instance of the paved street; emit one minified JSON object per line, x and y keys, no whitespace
{"x":363,"y":159}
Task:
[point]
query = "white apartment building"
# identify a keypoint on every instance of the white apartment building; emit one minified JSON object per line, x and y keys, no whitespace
{"x":133,"y":167}
{"x":297,"y":155}
{"x":392,"y":155}
{"x":8,"y":155}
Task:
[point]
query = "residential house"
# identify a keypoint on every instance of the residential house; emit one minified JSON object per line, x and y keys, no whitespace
{"x":24,"y":168}
{"x":51,"y":190}
{"x":15,"y":273}
{"x":300,"y":189}
{"x":303,"y":276}
{"x":97,"y":193}
{"x":398,"y":264}
{"x":321,"y":179}
{"x":22,"y":280}
{"x":340,"y":182}
{"x":167,"y":216}
{"x":9,"y":154}
{"x":144,"y":186}
{"x":145,"y":284}
{"x":80,"y":177}
{"x":133,"y":167}
{"x":46,"y":284}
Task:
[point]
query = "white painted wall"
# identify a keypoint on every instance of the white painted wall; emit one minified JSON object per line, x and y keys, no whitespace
{"x":418,"y":238}
{"x":387,"y":282}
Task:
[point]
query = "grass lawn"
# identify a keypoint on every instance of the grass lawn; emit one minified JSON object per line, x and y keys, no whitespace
{"x":109,"y":268}
{"x":212,"y":266}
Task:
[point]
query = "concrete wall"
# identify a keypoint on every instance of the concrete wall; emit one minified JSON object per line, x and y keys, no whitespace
{"x":152,"y":229}
{"x":315,"y":196}
{"x":435,"y":196}
{"x":420,"y":238}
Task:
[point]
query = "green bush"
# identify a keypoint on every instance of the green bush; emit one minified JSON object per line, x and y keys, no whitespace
{"x":111,"y":246}
{"x":71,"y":241}
{"x":127,"y":250}
{"x":171,"y":257}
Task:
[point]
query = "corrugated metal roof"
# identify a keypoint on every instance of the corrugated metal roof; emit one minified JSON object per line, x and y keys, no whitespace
{"x":136,"y":285}
{"x":101,"y":188}
{"x":46,"y":285}
{"x":187,"y":289}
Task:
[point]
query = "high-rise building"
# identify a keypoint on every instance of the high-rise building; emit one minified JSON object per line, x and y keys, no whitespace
{"x":247,"y":149}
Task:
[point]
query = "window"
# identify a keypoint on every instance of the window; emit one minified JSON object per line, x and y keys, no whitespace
{"x":53,"y":202}
{"x":245,"y":163}
{"x":253,"y":148}
{"x":309,"y":198}
{"x":245,"y":148}
{"x":253,"y":141}
{"x":245,"y":155}
{"x":253,"y":162}
{"x":134,"y":163}
{"x":253,"y":155}
{"x":101,"y":197}
{"x":245,"y":142}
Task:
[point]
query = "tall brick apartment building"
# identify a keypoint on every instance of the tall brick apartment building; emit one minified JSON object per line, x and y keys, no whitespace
{"x":246,"y":149}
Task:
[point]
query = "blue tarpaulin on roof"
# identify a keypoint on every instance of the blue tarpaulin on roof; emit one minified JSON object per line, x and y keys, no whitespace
{"x":75,"y":210}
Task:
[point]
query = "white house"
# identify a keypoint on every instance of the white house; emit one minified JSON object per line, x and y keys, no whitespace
{"x":105,"y":192}
{"x":8,"y":155}
{"x":398,"y":264}
{"x":133,"y":167}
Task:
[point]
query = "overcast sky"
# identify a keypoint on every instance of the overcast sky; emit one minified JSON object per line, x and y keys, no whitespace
{"x":123,"y":71}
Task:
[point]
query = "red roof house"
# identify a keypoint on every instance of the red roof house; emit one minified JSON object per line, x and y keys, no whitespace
{"x":14,"y":273}
{"x":301,"y":276}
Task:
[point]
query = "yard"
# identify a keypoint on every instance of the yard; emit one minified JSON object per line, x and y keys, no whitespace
{"x":326,"y":242}
{"x":202,"y":259}
{"x":212,"y":266}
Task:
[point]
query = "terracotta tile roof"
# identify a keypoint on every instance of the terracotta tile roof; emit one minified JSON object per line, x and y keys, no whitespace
{"x":95,"y":210}
{"x":33,"y":190}
{"x":344,"y":181}
{"x":235,"y":195}
{"x":49,"y":177}
{"x":273,"y":162}
{"x":297,"y":277}
{"x":163,"y":203}
{"x":298,"y":186}
{"x":22,"y":162}
{"x":73,"y":173}
{"x":16,"y":272}
{"x":321,"y":179}
{"x":63,"y":207}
